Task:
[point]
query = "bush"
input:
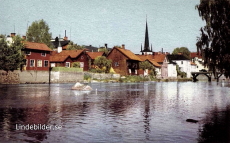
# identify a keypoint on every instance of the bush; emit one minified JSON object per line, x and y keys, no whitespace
{"x":76,"y":64}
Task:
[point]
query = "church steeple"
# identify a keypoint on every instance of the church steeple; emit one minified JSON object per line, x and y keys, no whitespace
{"x":146,"y":49}
{"x":146,"y":46}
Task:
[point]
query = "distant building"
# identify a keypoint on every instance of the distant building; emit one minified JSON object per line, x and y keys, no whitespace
{"x":197,"y":59}
{"x":37,"y":56}
{"x":124,"y":61}
{"x":146,"y":50}
{"x":183,"y":63}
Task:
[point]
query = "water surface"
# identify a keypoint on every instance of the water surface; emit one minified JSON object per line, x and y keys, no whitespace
{"x":116,"y":112}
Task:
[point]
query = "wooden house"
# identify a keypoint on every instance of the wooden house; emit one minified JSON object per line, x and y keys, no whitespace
{"x":124,"y":62}
{"x":92,"y":56}
{"x":65,"y":58}
{"x":37,"y":56}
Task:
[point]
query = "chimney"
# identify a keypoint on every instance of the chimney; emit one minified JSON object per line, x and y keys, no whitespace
{"x":106,"y":45}
{"x":65,"y":38}
{"x":59,"y":49}
{"x":24,"y":37}
{"x":12,"y":34}
{"x":123,"y":46}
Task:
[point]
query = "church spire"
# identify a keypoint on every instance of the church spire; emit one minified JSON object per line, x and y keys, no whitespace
{"x":146,"y":46}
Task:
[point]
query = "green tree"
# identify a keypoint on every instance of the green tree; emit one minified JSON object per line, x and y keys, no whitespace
{"x":38,"y":32}
{"x":180,"y":73}
{"x":214,"y":41}
{"x":183,"y":50}
{"x":72,"y":46}
{"x":103,"y":62}
{"x":103,"y":49}
{"x":11,"y":57}
{"x":146,"y":65}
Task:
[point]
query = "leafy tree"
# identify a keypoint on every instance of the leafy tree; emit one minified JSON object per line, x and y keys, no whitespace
{"x":103,"y":49}
{"x":146,"y":65}
{"x":180,"y":73}
{"x":214,"y":41}
{"x":39,"y":32}
{"x":72,"y":46}
{"x":103,"y":63}
{"x":185,"y":51}
{"x":11,"y":57}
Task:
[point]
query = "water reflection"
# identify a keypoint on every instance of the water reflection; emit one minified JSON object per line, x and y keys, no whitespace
{"x":115,"y":112}
{"x":216,"y":127}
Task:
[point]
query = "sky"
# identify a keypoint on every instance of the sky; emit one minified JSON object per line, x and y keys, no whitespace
{"x":171,"y":23}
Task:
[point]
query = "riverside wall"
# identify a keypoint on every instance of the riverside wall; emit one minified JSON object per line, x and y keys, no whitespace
{"x":17,"y":77}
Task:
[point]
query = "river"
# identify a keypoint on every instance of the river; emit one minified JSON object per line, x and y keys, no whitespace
{"x":116,"y":112}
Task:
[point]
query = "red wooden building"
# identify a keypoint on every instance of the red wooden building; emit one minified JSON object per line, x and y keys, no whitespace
{"x":37,"y":56}
{"x":124,"y":62}
{"x":66,"y":57}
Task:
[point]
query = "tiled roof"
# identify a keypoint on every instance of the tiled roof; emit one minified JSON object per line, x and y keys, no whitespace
{"x":129,"y":54}
{"x":93,"y":55}
{"x":195,"y":54}
{"x":37,"y":46}
{"x":144,"y":57}
{"x":59,"y":57}
{"x":154,"y":62}
{"x":159,"y":58}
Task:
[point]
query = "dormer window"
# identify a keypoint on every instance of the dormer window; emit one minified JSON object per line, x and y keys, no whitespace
{"x":28,"y":52}
{"x":43,"y":54}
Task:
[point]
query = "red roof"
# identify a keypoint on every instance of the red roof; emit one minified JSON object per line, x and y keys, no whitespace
{"x":128,"y":54}
{"x":37,"y":46}
{"x":145,"y":57}
{"x":159,"y":58}
{"x":93,"y":55}
{"x":60,"y":57}
{"x":154,"y":62}
{"x":195,"y":54}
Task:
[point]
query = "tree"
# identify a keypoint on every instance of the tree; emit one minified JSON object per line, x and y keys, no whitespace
{"x":72,"y":46}
{"x":103,"y":62}
{"x":146,"y":65}
{"x":11,"y":57}
{"x":183,"y":50}
{"x":214,"y":41}
{"x":39,"y":32}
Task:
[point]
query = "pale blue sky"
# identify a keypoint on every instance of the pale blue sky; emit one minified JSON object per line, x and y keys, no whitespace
{"x":171,"y":23}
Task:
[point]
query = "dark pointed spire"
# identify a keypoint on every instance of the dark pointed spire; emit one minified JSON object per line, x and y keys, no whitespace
{"x":141,"y":47}
{"x":146,"y":46}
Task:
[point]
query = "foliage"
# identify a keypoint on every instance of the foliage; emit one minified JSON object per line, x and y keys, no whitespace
{"x":133,"y":78}
{"x":76,"y":64}
{"x":87,"y":76}
{"x":65,"y":69}
{"x":185,"y":51}
{"x":72,"y":46}
{"x":11,"y":57}
{"x":105,"y":50}
{"x":214,"y":41}
{"x":101,"y":62}
{"x":39,"y":32}
{"x":146,"y":65}
{"x":180,"y":73}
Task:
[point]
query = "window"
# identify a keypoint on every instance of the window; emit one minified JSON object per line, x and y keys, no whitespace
{"x":46,"y":63}
{"x":116,"y":64}
{"x":43,"y":54}
{"x":32,"y":63}
{"x":81,"y":64}
{"x":39,"y":63}
{"x":67,"y":64}
{"x":82,"y":57}
{"x":28,"y":53}
{"x":181,"y":62}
